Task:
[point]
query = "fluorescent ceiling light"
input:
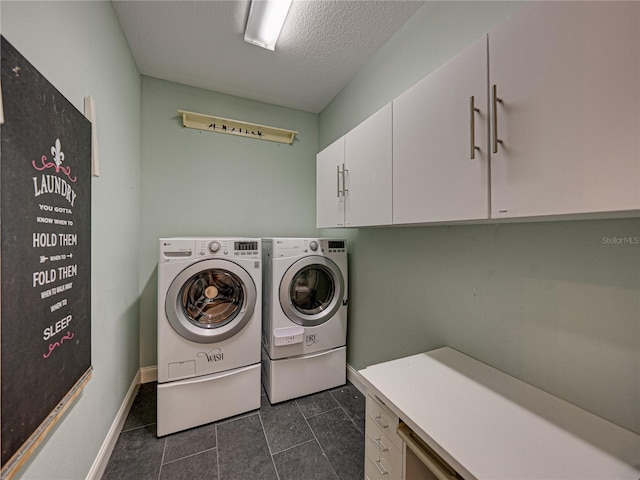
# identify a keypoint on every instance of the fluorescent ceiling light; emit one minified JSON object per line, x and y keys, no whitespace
{"x":266,"y":18}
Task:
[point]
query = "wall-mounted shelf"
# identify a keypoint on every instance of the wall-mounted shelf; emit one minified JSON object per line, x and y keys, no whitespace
{"x":211,"y":123}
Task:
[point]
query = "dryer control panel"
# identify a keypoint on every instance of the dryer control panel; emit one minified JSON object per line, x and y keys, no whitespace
{"x":336,"y":246}
{"x":292,"y":247}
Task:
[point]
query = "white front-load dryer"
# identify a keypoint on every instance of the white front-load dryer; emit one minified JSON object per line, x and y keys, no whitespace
{"x":304,"y":328}
{"x":209,"y":317}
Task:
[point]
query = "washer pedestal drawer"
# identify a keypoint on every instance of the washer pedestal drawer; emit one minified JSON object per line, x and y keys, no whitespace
{"x":197,"y":401}
{"x":294,"y":377}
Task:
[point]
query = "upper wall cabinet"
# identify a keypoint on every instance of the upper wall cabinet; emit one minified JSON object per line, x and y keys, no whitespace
{"x":329,"y":186}
{"x":440,"y":143}
{"x":540,"y":118}
{"x":565,"y":98}
{"x":353,"y":176}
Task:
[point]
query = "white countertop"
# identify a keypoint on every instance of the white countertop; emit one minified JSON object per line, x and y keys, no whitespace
{"x":489,"y":425}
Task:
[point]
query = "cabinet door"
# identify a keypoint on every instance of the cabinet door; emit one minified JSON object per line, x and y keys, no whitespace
{"x":435,"y":177}
{"x":368,"y":159}
{"x":329,"y":186}
{"x":568,"y":77}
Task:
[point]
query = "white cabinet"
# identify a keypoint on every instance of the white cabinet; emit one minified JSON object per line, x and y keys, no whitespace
{"x":353,"y":176}
{"x":567,"y":76}
{"x":437,"y":174}
{"x":368,"y":177}
{"x":329,"y":178}
{"x":383,"y":446}
{"x":472,"y":419}
{"x":543,"y":121}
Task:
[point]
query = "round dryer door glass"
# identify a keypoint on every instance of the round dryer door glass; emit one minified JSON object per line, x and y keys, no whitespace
{"x":312,"y":290}
{"x":212,"y":298}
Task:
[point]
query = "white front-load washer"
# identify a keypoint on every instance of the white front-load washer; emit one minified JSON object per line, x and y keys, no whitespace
{"x":304,"y":316}
{"x":209,"y":317}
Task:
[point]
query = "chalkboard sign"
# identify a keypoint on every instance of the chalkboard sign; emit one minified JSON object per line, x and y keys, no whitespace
{"x":45,"y":209}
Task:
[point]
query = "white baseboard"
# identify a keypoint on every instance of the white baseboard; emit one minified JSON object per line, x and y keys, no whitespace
{"x":149,"y":374}
{"x":354,"y":377}
{"x":101,"y":460}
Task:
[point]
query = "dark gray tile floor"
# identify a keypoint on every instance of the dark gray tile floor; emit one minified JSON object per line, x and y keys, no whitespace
{"x":320,"y":436}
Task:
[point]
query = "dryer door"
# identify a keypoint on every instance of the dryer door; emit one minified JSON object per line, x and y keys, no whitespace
{"x":312,"y":291}
{"x":210,"y":301}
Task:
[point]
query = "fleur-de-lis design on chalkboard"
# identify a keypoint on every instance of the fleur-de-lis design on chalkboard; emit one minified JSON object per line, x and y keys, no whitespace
{"x":57,"y":153}
{"x":58,"y":158}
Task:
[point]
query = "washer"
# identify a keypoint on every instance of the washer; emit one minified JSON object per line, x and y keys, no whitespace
{"x":209,"y":316}
{"x":304,"y":322}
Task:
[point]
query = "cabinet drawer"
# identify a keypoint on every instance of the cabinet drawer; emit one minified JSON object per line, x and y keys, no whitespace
{"x":379,"y":471}
{"x":386,"y":459}
{"x":380,"y":439}
{"x":385,"y":437}
{"x":381,"y":419}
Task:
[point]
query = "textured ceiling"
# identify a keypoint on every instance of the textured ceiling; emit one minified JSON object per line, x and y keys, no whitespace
{"x":200,"y":43}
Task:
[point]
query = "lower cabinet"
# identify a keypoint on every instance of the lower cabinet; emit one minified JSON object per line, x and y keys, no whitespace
{"x":462,"y":419}
{"x":383,"y":447}
{"x":389,"y":457}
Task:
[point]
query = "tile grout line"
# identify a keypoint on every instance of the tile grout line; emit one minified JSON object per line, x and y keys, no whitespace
{"x":294,"y":446}
{"x":131,"y":429}
{"x":266,"y":439}
{"x":217,"y":454}
{"x":189,"y":456}
{"x":240,"y":416}
{"x":348,"y":416}
{"x":321,"y":413}
{"x":164,"y":450}
{"x":316,"y":438}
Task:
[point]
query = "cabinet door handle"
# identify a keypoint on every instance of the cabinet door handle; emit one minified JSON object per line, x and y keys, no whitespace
{"x":381,"y":423}
{"x":381,"y":446}
{"x":380,"y":467}
{"x":338,"y":181}
{"x":344,"y":180}
{"x":473,"y":110}
{"x":496,"y":100}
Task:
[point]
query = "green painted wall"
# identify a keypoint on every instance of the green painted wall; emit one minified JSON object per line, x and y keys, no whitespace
{"x":210,"y":184}
{"x":555,"y":304}
{"x":80,"y":48}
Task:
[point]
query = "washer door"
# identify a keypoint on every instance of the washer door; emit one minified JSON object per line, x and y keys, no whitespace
{"x":210,"y":301}
{"x":311,"y":291}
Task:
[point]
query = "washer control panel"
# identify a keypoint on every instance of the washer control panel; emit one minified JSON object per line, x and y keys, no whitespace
{"x":228,"y":247}
{"x":175,"y":249}
{"x":172,"y":249}
{"x":214,"y":247}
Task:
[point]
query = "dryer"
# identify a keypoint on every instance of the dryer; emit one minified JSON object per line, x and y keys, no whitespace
{"x":304,"y":327}
{"x":209,"y":317}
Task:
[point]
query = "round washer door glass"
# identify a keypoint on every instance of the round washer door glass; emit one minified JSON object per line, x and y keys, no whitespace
{"x":210,"y":301}
{"x":312,"y":291}
{"x":212,"y":298}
